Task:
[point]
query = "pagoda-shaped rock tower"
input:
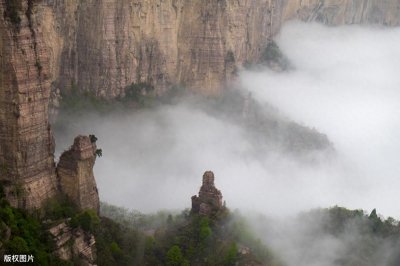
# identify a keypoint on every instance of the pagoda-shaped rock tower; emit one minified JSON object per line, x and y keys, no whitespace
{"x":209,"y":200}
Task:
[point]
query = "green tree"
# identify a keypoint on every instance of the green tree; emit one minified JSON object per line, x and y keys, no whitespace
{"x":174,"y":256}
{"x":87,"y":220}
{"x":17,"y":245}
{"x":205,"y":230}
{"x":231,"y":255}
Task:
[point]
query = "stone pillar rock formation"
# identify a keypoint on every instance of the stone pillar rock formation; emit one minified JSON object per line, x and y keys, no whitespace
{"x":209,"y":200}
{"x":75,"y":173}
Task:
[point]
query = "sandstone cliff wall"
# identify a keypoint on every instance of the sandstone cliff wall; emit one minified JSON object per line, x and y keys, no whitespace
{"x":26,"y":143}
{"x":104,"y":46}
{"x":338,"y":12}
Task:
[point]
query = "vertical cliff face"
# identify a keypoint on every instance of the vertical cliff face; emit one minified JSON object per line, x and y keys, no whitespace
{"x":26,"y":143}
{"x":108,"y":45}
{"x":104,"y":46}
{"x":339,"y":12}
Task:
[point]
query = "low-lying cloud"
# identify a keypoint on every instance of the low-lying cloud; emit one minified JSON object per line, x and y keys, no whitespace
{"x":344,"y":84}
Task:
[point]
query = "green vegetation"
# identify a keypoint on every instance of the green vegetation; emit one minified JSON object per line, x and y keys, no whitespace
{"x":365,"y":237}
{"x":93,"y":138}
{"x":87,"y":220}
{"x":140,"y":94}
{"x":180,"y":239}
{"x":137,"y":95}
{"x":371,"y":224}
{"x":184,"y":239}
{"x":59,"y":208}
{"x":271,"y":52}
{"x":23,"y":233}
{"x":273,"y":57}
{"x":76,"y":101}
{"x":98,"y":152}
{"x":174,"y":256}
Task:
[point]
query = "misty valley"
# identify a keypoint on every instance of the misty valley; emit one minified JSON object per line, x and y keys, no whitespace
{"x":275,"y":154}
{"x":190,"y":133}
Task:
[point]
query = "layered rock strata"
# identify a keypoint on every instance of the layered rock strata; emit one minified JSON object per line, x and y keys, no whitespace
{"x":339,"y":12}
{"x":26,"y":144}
{"x":209,"y":200}
{"x":104,"y":46}
{"x":108,"y":45}
{"x":71,"y":243}
{"x":75,"y":173}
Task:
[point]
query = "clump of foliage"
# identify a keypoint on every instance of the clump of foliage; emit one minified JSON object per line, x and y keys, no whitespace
{"x":76,"y":101}
{"x":93,"y":138}
{"x":98,"y":152}
{"x":187,"y":239}
{"x":366,"y":236}
{"x":273,"y":56}
{"x":174,"y":257}
{"x":87,"y":220}
{"x":59,"y":208}
{"x":118,"y":245}
{"x":139,"y":93}
{"x":23,"y":233}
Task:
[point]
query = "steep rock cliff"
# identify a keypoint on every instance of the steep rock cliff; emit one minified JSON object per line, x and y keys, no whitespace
{"x":104,"y":46}
{"x":26,"y":144}
{"x":75,"y":173}
{"x":338,"y":12}
{"x":108,"y":45}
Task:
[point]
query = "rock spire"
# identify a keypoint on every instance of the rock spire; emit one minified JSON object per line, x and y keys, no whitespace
{"x":209,"y":200}
{"x":75,"y":173}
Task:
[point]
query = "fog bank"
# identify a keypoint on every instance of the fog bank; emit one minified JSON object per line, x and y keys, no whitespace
{"x":343,"y":84}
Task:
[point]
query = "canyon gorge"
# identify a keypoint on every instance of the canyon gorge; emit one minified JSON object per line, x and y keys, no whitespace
{"x":104,"y":46}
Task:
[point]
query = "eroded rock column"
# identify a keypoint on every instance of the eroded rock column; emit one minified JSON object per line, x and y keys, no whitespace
{"x":75,"y":173}
{"x":209,"y":200}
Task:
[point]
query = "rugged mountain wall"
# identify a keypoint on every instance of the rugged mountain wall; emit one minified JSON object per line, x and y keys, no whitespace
{"x":26,"y":144}
{"x":107,"y":45}
{"x":338,"y":12}
{"x":104,"y":46}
